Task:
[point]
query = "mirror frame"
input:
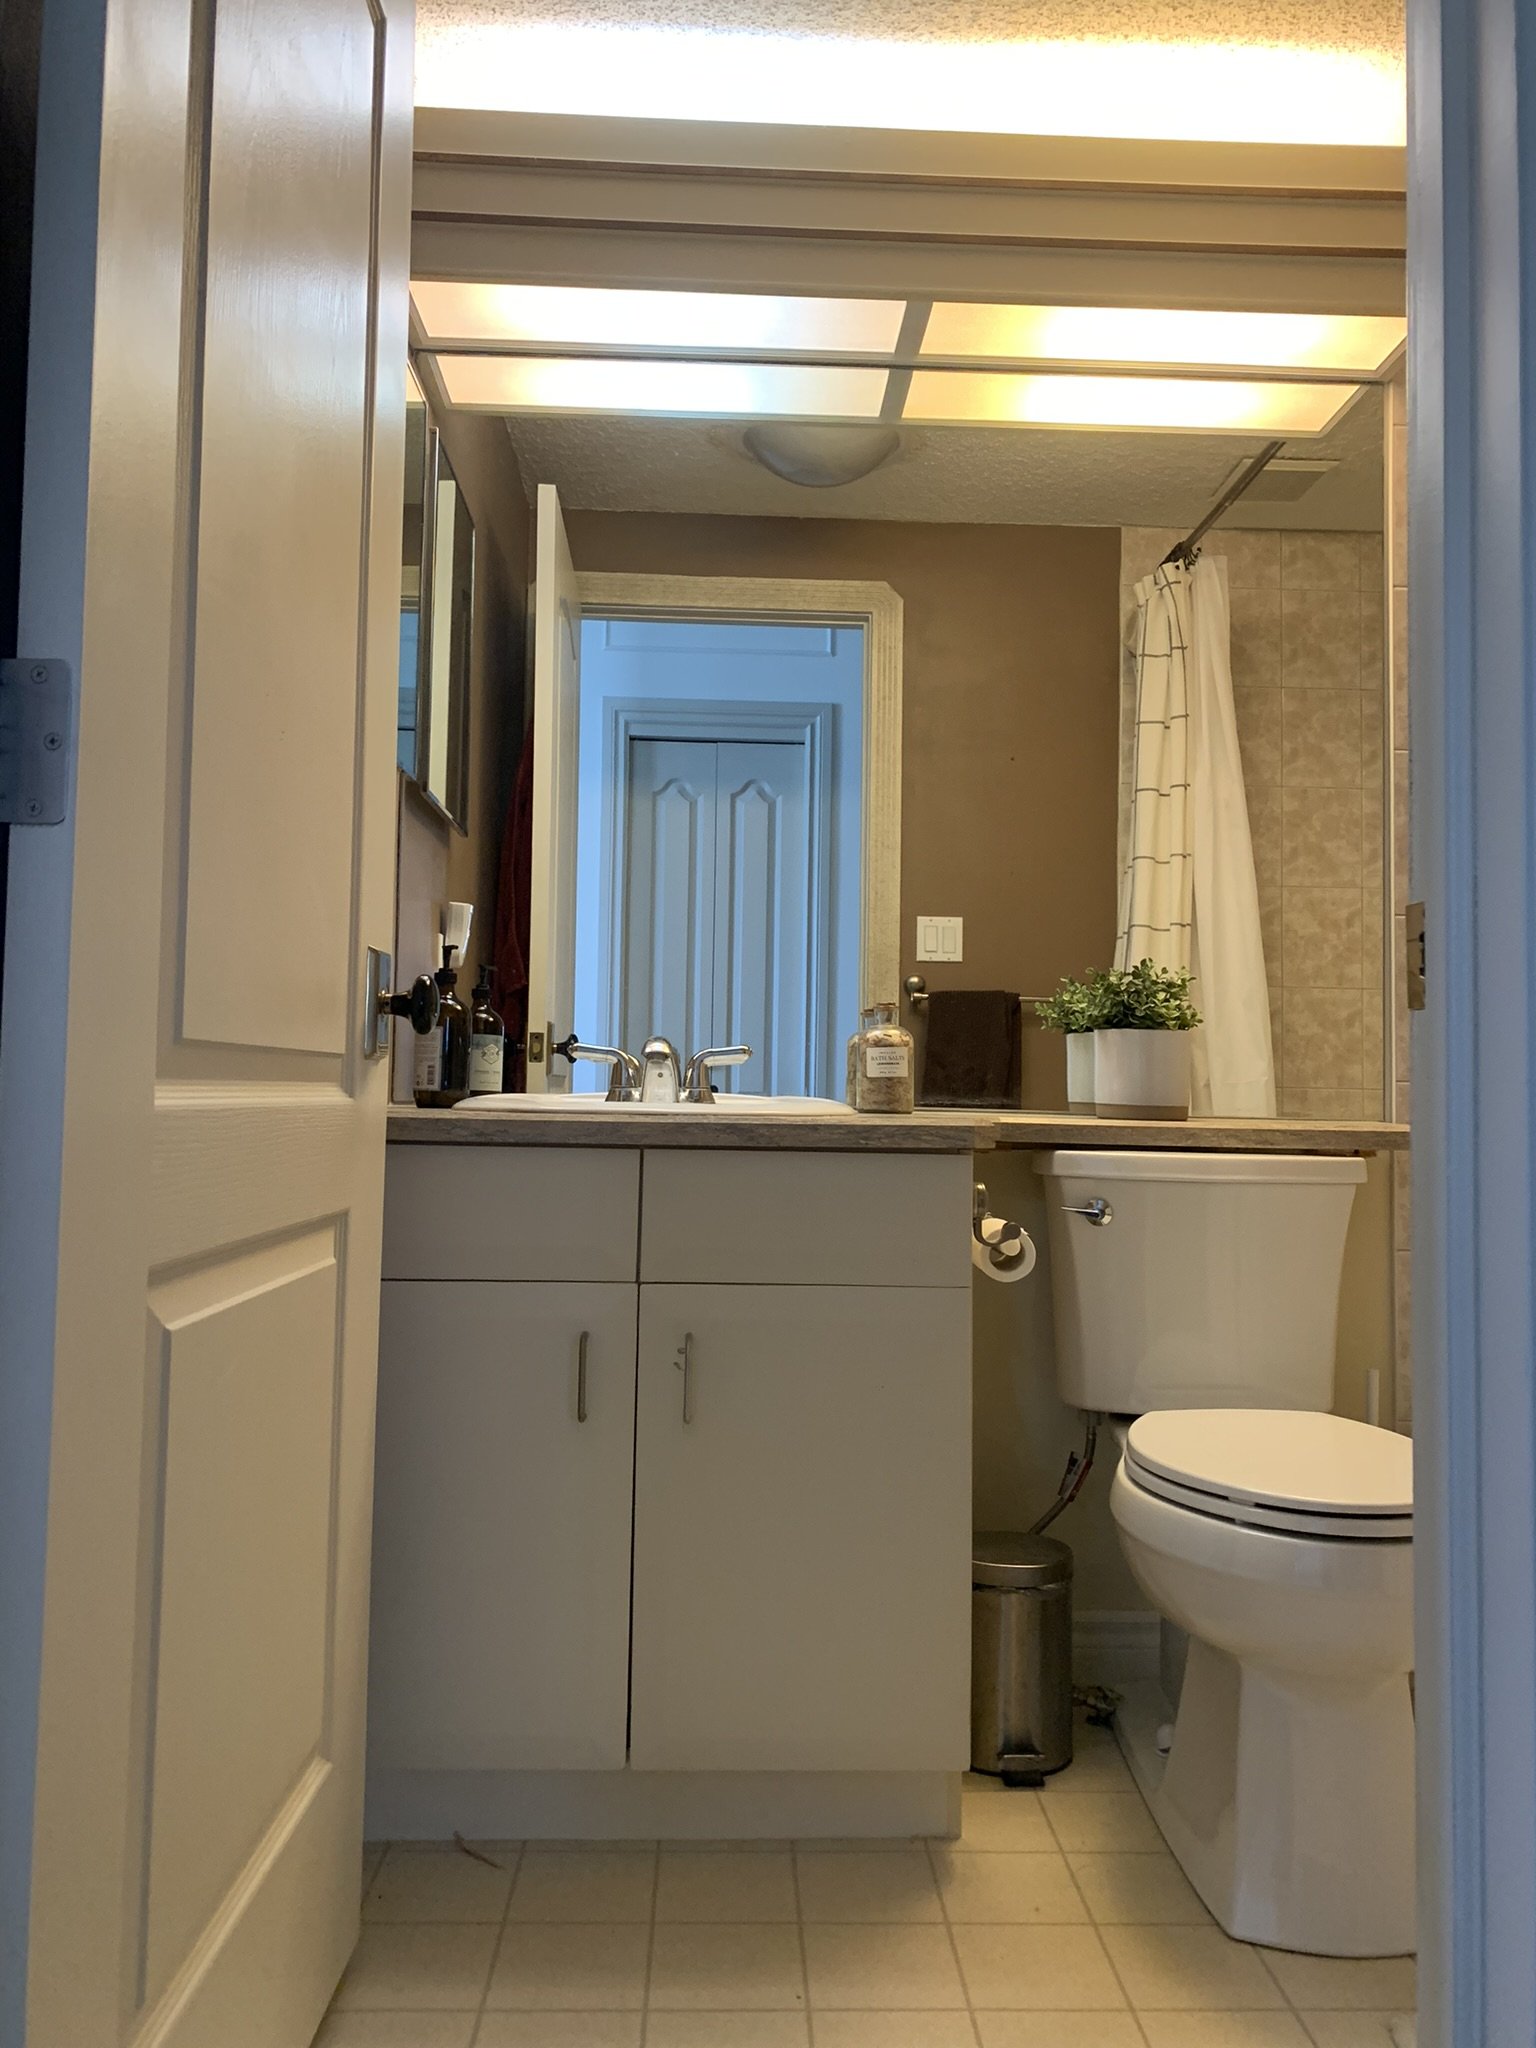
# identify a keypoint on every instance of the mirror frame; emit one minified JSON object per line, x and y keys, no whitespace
{"x":451,"y":800}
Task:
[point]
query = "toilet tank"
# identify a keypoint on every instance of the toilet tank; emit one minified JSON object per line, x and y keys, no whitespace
{"x":1214,"y":1285}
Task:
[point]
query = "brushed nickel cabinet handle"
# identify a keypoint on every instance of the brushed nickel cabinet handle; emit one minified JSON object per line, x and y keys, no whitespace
{"x":581,"y":1375}
{"x":684,"y":1364}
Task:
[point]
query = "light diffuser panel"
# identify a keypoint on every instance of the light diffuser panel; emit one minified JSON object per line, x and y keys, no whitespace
{"x":1169,"y":404}
{"x":590,"y":384}
{"x":1355,"y":343}
{"x":582,"y":316}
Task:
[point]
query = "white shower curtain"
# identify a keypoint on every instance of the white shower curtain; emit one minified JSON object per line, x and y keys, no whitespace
{"x":1188,"y":893}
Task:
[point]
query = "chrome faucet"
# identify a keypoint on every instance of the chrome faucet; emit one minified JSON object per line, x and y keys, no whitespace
{"x":696,"y":1082}
{"x":624,"y":1076}
{"x":661,"y":1077}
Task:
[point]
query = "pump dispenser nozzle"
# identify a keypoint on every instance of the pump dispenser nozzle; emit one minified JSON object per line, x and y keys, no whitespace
{"x":454,"y":920}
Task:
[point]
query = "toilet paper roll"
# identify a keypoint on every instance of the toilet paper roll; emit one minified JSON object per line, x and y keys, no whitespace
{"x":1003,"y":1251}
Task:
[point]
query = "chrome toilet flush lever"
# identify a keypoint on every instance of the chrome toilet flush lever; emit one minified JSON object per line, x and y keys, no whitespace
{"x":1097,"y":1210}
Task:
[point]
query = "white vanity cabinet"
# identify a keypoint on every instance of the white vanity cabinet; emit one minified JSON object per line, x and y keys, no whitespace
{"x":753,"y":1553}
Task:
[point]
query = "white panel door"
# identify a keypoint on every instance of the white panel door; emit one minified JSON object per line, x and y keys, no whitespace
{"x":725,"y":918}
{"x":192,"y":1144}
{"x":668,"y":975}
{"x":502,"y":1526}
{"x":556,"y":753}
{"x":802,"y":1529}
{"x":771,"y":941}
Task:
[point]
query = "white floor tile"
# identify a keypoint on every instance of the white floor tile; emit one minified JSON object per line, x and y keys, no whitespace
{"x":1037,"y":1969}
{"x":417,"y":1968}
{"x":1345,"y":1984}
{"x":725,"y":1884}
{"x":1002,"y":1820}
{"x":583,"y":1884}
{"x":1097,"y":1765}
{"x":893,"y":2030}
{"x":560,"y":2030}
{"x":876,"y":1887}
{"x":396,"y":2030}
{"x":882,"y":1969}
{"x":1190,"y":1969}
{"x":1008,"y":1887}
{"x":855,"y":1845}
{"x":1105,"y":1821}
{"x":544,"y":1968}
{"x":726,"y":2030}
{"x":1351,"y":2029}
{"x":749,"y":1968}
{"x":1223,"y":2030}
{"x":1058,"y":2030}
{"x":1147,"y":1889}
{"x":437,"y":1882}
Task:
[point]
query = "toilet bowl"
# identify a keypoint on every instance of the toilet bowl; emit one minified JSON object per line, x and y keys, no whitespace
{"x":1287,"y":1794}
{"x":1196,"y":1302}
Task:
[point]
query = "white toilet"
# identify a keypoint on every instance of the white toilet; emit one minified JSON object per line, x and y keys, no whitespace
{"x":1196,"y":1299}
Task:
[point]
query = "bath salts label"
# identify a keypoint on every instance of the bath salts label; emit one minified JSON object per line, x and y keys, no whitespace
{"x":485,"y":1051}
{"x":887,"y":1062}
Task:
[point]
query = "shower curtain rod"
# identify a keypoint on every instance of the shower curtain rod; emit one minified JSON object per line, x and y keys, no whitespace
{"x":1187,"y":548}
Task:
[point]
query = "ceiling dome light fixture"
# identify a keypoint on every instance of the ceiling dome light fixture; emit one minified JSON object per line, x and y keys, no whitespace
{"x":820,"y":456}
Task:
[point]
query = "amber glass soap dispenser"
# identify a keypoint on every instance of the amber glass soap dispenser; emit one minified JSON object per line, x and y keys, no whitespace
{"x":442,"y":1056}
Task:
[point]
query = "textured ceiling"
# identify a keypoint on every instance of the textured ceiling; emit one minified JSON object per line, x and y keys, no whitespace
{"x":981,"y":476}
{"x":1367,"y":26}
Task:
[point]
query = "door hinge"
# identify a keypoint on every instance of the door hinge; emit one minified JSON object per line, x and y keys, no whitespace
{"x":1416,"y":956}
{"x":35,"y":730}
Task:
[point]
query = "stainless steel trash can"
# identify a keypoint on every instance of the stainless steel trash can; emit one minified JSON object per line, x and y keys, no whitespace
{"x":1021,"y":1657}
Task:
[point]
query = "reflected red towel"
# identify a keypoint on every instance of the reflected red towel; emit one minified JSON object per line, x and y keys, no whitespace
{"x":514,"y":910}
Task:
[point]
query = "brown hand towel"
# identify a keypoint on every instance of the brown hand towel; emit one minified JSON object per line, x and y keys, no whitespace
{"x":972,"y":1055}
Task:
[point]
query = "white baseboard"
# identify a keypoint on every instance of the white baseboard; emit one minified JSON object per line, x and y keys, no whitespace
{"x":1116,"y":1649}
{"x":675,"y":1806}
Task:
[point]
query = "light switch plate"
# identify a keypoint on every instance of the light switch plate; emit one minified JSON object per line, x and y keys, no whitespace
{"x":941,"y":938}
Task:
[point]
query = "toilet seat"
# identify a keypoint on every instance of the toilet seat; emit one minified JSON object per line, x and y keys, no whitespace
{"x":1292,"y":1472}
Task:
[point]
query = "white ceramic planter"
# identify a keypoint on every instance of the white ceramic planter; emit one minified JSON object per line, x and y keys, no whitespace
{"x":1080,"y":1069}
{"x":1141,"y":1074}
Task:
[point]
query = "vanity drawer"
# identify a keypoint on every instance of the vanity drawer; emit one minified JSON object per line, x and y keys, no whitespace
{"x":807,"y":1219}
{"x":493,"y":1212}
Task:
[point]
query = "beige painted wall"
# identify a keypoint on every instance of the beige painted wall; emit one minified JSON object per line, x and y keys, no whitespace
{"x":436,"y":861}
{"x":1011,"y":679}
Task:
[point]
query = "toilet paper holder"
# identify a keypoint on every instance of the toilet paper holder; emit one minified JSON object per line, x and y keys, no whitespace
{"x":1009,"y":1243}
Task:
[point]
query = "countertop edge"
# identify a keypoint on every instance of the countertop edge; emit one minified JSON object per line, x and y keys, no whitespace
{"x":925,"y":1131}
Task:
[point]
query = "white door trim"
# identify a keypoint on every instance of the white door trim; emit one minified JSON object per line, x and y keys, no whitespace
{"x":878,"y":609}
{"x":1472,"y":472}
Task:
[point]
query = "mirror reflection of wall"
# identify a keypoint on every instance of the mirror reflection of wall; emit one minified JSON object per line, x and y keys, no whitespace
{"x":436,"y":618}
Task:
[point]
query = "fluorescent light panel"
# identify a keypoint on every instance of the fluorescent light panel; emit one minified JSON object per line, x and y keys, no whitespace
{"x":1356,"y":343}
{"x":683,"y":390}
{"x":1169,"y":404}
{"x":584,"y":316}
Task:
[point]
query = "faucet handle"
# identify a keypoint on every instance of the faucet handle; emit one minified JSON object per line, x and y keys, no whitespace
{"x":623,"y":1068}
{"x":696,"y":1084}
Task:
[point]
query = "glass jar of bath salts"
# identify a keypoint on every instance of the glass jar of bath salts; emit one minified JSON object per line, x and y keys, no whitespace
{"x":886,"y":1079}
{"x":855,"y":1045}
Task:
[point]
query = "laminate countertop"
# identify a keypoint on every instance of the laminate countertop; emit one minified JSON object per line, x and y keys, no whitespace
{"x":926,"y":1130}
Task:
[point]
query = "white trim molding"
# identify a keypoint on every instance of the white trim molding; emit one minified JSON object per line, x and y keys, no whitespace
{"x":1472,"y":601}
{"x":878,"y":609}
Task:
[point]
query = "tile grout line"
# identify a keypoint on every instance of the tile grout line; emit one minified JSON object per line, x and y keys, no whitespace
{"x":1093,"y":1919}
{"x":805,"y":1960}
{"x":949,"y":1929}
{"x":650,"y":1946}
{"x":496,"y":1946}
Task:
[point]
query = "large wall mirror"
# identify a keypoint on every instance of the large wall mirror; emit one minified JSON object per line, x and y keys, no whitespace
{"x":437,"y":577}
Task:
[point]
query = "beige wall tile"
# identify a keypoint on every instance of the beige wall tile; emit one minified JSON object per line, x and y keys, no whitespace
{"x":1322,"y":837}
{"x":1402,"y":1200}
{"x":1320,"y":561}
{"x":1320,"y":639}
{"x":1401,"y":851}
{"x":1399,"y":460}
{"x":1400,"y":735}
{"x":1373,"y":1066}
{"x":1324,"y":1040}
{"x":1323,"y":1105}
{"x":1373,"y":562}
{"x":1373,"y":719}
{"x":1373,"y":838}
{"x":1321,"y":939}
{"x":1259,"y":733}
{"x":1373,"y":633}
{"x":1322,"y":738}
{"x":1266,"y":829}
{"x":1252,"y":557}
{"x":1256,"y":639}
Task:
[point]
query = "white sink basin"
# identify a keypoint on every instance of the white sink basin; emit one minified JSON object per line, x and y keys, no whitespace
{"x":745,"y":1105}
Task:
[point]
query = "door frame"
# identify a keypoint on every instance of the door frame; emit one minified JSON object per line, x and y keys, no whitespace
{"x":875,"y":607}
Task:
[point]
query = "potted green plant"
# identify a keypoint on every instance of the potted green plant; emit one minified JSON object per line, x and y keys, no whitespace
{"x":1075,"y":1009}
{"x":1141,"y":1042}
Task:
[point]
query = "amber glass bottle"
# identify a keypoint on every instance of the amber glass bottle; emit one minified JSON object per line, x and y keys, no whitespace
{"x":442,"y":1056}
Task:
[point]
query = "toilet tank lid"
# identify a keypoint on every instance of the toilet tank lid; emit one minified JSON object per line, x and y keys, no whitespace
{"x":1263,"y":1168}
{"x":1288,"y":1458}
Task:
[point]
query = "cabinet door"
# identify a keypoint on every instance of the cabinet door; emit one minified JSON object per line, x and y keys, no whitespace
{"x":802,"y":1538}
{"x":502,"y":1526}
